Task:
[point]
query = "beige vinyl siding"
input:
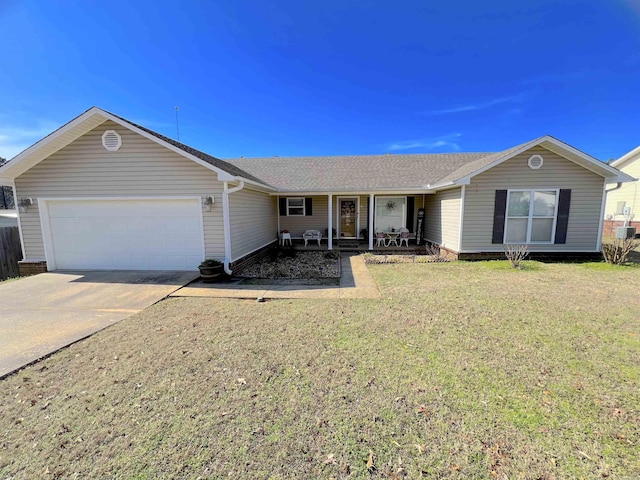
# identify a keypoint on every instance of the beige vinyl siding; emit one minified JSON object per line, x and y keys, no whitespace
{"x":317,"y":221}
{"x":253,"y":219}
{"x":557,"y":172}
{"x":442,"y":218}
{"x":628,"y":193}
{"x":141,"y":168}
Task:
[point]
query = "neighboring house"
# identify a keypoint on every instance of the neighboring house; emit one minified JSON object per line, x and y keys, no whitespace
{"x":623,"y":201}
{"x":104,"y":193}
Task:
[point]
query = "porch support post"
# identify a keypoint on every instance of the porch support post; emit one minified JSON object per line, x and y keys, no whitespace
{"x":330,"y":223}
{"x":372,"y":207}
{"x":278,"y":212}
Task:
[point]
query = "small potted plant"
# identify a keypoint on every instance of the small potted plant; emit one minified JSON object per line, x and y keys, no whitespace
{"x":211,"y":270}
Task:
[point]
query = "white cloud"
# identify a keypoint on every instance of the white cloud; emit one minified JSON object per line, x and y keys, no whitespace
{"x":15,"y":139}
{"x":476,"y":106}
{"x":447,"y":141}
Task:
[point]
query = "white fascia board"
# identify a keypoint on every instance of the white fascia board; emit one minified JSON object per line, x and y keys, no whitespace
{"x":345,"y":193}
{"x":598,"y":167}
{"x":442,"y":186}
{"x":13,"y":170}
{"x":627,"y":156}
{"x":223,"y":176}
{"x":605,"y":170}
{"x":13,"y":165}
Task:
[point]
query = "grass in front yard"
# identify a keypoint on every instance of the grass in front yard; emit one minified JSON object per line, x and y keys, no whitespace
{"x":461,"y":370}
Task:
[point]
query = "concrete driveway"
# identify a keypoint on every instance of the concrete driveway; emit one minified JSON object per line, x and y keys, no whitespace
{"x":43,"y":313}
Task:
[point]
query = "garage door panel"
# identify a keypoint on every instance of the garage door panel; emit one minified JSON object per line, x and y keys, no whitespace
{"x":126,"y":234}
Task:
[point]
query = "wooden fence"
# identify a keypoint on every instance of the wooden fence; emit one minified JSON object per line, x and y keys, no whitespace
{"x":10,"y":252}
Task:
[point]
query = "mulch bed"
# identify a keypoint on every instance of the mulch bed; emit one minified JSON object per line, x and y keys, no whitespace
{"x":289,"y":265}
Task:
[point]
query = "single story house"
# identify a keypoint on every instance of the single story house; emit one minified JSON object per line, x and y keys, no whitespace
{"x":104,"y":193}
{"x":623,"y":200}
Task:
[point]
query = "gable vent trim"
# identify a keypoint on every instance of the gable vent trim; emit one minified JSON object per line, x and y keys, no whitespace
{"x":535,"y":162}
{"x":111,"y":140}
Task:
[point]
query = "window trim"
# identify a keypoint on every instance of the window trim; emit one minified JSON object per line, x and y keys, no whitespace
{"x":530,"y":217}
{"x":289,"y":207}
{"x":386,"y":198}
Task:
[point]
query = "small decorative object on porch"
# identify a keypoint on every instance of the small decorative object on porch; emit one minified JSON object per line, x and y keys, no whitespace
{"x":391,"y":205}
{"x":211,"y":270}
{"x":285,"y":237}
{"x":420,"y":227}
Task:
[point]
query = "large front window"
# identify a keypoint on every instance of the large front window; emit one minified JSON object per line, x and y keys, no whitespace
{"x":531,"y":216}
{"x":390,"y":213}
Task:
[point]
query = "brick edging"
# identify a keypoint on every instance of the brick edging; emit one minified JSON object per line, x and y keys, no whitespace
{"x":28,"y":267}
{"x":251,"y":258}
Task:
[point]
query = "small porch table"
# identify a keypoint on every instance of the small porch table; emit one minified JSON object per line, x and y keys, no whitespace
{"x":392,"y":237}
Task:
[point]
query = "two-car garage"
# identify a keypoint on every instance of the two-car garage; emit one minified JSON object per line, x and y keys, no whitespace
{"x":122,"y":233}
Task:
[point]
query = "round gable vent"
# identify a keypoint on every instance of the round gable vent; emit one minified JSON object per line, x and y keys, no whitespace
{"x":535,"y":162}
{"x":111,"y":140}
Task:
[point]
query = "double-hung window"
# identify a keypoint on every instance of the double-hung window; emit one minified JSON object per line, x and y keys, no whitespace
{"x":531,"y":216}
{"x":295,"y":207}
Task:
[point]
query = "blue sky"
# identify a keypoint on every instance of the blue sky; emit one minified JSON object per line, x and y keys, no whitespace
{"x":302,"y":77}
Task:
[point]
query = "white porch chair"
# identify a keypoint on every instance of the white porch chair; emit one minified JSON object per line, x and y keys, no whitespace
{"x":381,"y":239}
{"x":404,"y":236}
{"x":312,"y":235}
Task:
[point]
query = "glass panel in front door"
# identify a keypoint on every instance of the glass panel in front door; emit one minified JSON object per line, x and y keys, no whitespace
{"x":348,"y":212}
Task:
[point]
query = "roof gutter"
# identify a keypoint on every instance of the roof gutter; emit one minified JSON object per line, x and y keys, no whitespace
{"x":227,"y":223}
{"x":428,"y":186}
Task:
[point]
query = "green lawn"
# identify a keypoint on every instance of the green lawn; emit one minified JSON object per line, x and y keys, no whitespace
{"x":461,"y":370}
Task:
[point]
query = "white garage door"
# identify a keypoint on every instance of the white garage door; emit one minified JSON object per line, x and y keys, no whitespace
{"x":125,"y":234}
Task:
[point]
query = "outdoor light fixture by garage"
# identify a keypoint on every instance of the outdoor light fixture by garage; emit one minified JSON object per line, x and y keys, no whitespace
{"x":24,"y":204}
{"x":208,"y":203}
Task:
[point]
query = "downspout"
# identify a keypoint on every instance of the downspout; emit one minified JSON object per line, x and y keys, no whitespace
{"x":614,"y":188}
{"x":227,"y":224}
{"x":602,"y":210}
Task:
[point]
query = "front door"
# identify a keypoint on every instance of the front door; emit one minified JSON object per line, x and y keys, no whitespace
{"x":348,"y":217}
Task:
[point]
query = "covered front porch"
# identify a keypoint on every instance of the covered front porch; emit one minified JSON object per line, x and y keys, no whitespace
{"x":356,"y":222}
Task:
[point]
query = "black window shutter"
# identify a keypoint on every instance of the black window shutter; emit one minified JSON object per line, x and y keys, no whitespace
{"x":368,"y":214}
{"x":308,"y":210}
{"x":283,"y":207}
{"x":499,"y":212}
{"x":564,"y":202}
{"x":411,"y":201}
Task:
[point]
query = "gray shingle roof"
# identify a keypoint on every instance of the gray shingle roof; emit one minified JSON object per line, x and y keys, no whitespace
{"x":361,"y":172}
{"x":368,"y":172}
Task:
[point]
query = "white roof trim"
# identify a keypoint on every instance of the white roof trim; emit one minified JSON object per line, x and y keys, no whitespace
{"x":374,"y":191}
{"x":223,"y":176}
{"x":627,"y":156}
{"x":12,"y":166}
{"x":599,"y":167}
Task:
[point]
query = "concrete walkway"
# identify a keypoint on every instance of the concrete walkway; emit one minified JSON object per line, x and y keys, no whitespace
{"x":355,"y":282}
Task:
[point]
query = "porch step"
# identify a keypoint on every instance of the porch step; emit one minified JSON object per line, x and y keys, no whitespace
{"x":348,"y":244}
